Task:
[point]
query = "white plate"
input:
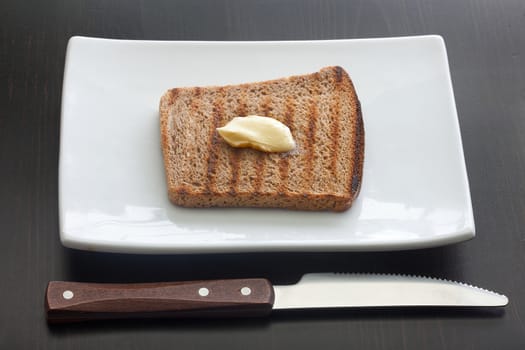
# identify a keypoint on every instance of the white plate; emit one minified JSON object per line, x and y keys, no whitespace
{"x":113,"y":195}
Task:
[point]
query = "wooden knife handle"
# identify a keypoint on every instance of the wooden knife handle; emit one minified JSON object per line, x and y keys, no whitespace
{"x":73,"y":301}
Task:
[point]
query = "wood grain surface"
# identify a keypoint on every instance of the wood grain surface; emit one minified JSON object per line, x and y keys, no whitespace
{"x":486,"y":47}
{"x":80,"y":301}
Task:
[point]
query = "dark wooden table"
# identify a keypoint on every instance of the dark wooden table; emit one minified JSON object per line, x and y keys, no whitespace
{"x":486,"y":47}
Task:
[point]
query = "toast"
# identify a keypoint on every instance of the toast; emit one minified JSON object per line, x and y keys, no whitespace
{"x":323,"y":172}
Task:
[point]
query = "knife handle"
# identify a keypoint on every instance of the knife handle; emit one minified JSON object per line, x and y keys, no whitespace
{"x":74,"y":301}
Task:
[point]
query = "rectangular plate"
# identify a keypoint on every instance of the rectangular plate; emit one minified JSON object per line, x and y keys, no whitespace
{"x":113,"y":195}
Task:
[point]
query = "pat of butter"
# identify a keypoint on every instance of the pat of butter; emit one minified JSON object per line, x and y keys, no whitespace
{"x":261,"y":133}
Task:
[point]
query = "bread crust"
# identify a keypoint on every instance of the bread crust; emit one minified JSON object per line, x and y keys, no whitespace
{"x":329,"y":156}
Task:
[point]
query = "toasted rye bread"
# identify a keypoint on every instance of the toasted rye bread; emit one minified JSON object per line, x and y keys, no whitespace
{"x":323,"y":172}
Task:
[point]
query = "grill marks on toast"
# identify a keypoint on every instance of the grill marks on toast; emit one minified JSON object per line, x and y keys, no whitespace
{"x":235,"y":154}
{"x":214,"y":141}
{"x":196,"y":99}
{"x":284,"y":162}
{"x":313,"y":111}
{"x":261,"y":156}
{"x":195,"y":103}
{"x":335,"y":127}
{"x":234,"y":164}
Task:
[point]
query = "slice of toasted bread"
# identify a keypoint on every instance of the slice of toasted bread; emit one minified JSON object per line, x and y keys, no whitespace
{"x":323,"y":172}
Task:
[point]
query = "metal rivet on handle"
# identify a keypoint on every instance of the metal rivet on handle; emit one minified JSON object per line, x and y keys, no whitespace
{"x":246,"y":291}
{"x":68,"y":294}
{"x":203,"y":292}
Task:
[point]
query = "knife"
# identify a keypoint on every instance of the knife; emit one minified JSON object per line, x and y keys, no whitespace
{"x":74,"y":301}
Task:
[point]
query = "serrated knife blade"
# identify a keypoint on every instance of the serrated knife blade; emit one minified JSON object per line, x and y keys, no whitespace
{"x":76,"y":301}
{"x":330,"y":290}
